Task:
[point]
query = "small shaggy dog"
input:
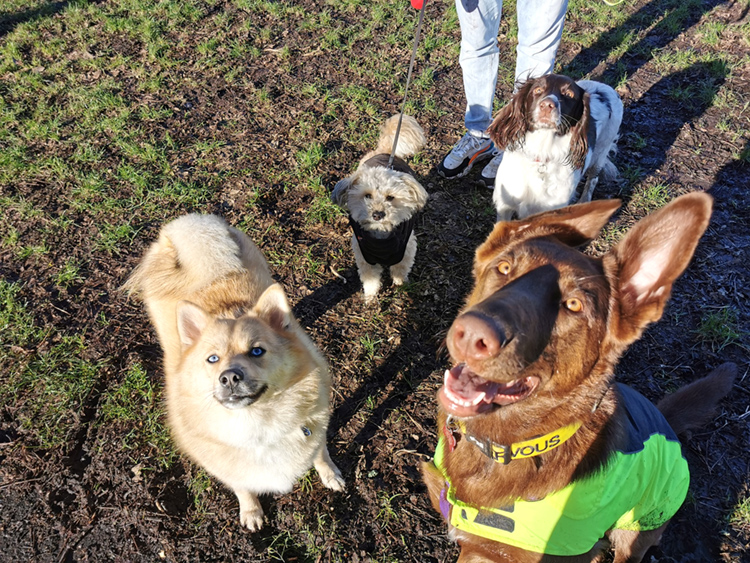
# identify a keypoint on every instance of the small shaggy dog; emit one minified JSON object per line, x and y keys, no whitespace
{"x":383,"y":203}
{"x":554,"y":131}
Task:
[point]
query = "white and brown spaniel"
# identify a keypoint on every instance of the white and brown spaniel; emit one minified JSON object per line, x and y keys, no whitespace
{"x":554,"y":131}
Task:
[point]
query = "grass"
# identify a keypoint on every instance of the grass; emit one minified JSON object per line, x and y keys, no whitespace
{"x":116,"y":116}
{"x":135,"y":406}
{"x":370,"y":346}
{"x":44,"y":376}
{"x":719,"y":329}
{"x":740,"y":515}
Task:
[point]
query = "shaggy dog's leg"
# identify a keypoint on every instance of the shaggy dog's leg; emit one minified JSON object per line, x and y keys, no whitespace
{"x":369,"y":275}
{"x":400,"y":271}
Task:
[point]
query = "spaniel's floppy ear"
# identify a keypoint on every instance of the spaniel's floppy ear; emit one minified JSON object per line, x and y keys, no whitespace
{"x":579,"y":144}
{"x":510,"y":124}
{"x":340,"y":193}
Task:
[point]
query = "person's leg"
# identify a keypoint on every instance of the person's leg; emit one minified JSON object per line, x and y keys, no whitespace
{"x":540,"y":27}
{"x":479,"y":60}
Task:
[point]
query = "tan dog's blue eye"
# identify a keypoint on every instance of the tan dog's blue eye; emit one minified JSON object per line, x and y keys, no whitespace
{"x":257,"y":351}
{"x":212,"y":359}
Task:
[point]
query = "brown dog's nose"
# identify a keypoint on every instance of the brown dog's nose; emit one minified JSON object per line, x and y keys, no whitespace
{"x":475,"y":337}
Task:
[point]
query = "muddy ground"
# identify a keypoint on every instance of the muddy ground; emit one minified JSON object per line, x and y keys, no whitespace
{"x":94,"y":500}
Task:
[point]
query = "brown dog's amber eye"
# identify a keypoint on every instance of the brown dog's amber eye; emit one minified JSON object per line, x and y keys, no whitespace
{"x":504,"y":267}
{"x":569,"y":93}
{"x":573,"y":304}
{"x":537,"y":91}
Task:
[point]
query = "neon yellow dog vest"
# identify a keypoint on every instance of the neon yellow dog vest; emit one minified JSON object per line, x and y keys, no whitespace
{"x":639,"y":488}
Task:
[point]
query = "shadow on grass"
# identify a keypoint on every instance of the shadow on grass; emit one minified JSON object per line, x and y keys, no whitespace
{"x":660,"y":115}
{"x":676,"y":17}
{"x":9,"y":20}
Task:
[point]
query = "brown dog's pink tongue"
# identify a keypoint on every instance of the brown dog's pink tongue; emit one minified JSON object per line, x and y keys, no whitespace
{"x":465,"y":394}
{"x":465,"y":386}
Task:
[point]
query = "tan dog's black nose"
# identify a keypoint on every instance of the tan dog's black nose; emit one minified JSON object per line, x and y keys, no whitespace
{"x":476,"y":337}
{"x":378,"y":215}
{"x":231,"y":377}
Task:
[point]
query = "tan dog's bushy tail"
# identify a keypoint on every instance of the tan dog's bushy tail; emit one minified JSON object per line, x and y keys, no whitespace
{"x":411,"y":138}
{"x":191,"y":252}
{"x":692,"y":406}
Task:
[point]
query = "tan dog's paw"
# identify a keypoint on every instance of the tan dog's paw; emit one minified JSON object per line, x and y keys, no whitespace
{"x":251,"y":512}
{"x":333,"y":481}
{"x":330,"y":475}
{"x":252,"y":519}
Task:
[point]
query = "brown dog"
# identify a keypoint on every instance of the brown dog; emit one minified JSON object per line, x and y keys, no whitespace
{"x":542,"y":456}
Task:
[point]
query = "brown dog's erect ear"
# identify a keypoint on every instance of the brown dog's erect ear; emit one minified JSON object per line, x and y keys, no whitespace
{"x":191,"y":321}
{"x":273,"y":306}
{"x":573,"y":225}
{"x":510,"y":125}
{"x":645,"y":264}
{"x":579,"y":145}
{"x":576,"y":224}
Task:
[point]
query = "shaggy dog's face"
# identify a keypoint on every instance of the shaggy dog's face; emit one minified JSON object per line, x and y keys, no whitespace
{"x":379,"y":199}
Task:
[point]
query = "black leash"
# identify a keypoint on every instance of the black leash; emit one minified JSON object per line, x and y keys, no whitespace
{"x":408,"y":80}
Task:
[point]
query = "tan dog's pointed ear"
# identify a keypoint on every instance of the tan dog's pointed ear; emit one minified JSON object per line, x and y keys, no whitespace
{"x":645,"y":264}
{"x":273,"y":306}
{"x":573,"y":225}
{"x":340,"y":193}
{"x":191,"y":322}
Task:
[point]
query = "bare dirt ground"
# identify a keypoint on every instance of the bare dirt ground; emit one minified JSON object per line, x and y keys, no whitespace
{"x":94,"y":501}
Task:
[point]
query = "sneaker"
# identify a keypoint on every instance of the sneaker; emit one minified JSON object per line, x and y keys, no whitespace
{"x":489,"y":172}
{"x":468,"y":150}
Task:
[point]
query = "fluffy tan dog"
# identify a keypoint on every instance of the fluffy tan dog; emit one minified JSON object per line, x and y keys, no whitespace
{"x":246,"y":389}
{"x":382,"y":203}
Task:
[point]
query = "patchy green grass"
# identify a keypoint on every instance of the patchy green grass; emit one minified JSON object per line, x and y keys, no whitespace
{"x":740,"y":515}
{"x":718,"y":329}
{"x":45,"y":376}
{"x":135,"y":406}
{"x":116,"y":116}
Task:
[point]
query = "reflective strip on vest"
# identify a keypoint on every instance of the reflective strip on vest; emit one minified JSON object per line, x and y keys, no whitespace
{"x":634,"y":491}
